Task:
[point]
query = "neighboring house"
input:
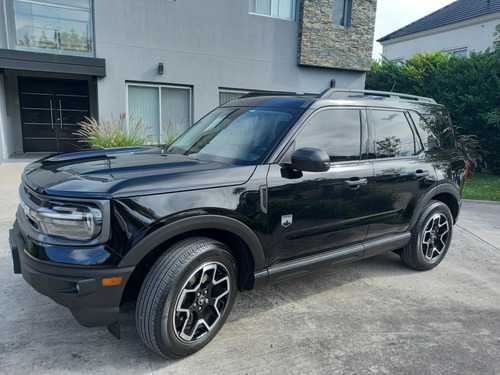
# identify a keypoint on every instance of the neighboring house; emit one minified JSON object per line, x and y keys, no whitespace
{"x":458,"y":28}
{"x":165,"y":61}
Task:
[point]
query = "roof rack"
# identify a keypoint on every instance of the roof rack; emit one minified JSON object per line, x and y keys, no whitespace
{"x":253,"y":94}
{"x":349,"y":93}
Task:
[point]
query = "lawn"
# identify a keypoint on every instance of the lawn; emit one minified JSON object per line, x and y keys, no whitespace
{"x":482,"y":186}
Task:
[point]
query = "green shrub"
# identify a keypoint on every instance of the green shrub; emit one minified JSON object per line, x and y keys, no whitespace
{"x":171,"y":132}
{"x":113,"y":133}
{"x":468,"y":86}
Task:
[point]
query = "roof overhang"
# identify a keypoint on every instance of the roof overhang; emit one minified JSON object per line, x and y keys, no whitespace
{"x":45,"y":62}
{"x":494,"y":16}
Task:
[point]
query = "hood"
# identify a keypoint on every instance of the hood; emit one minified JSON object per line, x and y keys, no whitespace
{"x":128,"y":171}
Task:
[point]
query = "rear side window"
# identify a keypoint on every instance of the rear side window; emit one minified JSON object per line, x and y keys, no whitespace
{"x":435,"y":128}
{"x":393,"y":136}
{"x":336,"y":131}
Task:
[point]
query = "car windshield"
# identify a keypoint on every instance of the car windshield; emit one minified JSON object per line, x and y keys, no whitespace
{"x":235,"y":134}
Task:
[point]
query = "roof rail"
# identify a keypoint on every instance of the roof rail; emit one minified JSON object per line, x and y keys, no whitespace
{"x":253,"y":94}
{"x":349,"y":93}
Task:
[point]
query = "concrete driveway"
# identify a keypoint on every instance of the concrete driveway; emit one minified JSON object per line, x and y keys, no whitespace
{"x":371,"y":317}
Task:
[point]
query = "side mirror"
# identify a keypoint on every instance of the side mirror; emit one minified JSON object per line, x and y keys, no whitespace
{"x":310,"y":160}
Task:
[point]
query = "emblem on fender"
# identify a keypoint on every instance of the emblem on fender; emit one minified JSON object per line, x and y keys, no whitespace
{"x":286,"y":220}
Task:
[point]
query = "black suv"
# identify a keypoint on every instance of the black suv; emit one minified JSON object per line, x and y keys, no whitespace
{"x":262,"y":189}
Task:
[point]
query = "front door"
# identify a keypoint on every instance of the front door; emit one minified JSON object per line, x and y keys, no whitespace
{"x":50,"y":112}
{"x":313,"y":212}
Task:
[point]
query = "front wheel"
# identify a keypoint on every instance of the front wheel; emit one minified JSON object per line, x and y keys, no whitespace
{"x":430,"y":238}
{"x":186,"y":297}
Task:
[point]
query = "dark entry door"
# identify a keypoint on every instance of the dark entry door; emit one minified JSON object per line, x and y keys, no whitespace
{"x":50,"y":112}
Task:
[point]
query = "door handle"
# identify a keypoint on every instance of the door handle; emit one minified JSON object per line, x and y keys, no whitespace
{"x":60,"y":115}
{"x":51,"y":115}
{"x":355,"y":183}
{"x":419,"y":174}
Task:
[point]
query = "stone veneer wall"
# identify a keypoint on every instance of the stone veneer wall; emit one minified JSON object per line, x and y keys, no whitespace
{"x":324,"y":44}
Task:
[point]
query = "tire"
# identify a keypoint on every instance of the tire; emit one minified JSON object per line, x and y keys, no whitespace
{"x":186,"y":297}
{"x":430,"y":237}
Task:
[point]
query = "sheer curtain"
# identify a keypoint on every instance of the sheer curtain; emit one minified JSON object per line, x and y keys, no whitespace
{"x":165,"y":111}
{"x":144,"y":103}
{"x":175,"y":112}
{"x":226,"y":96}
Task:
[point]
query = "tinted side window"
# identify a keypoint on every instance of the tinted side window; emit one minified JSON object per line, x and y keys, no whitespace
{"x":337,"y":131}
{"x":393,"y":134}
{"x":423,"y":129}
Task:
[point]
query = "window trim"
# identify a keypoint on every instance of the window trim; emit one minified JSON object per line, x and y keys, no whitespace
{"x":372,"y":137}
{"x":347,"y":14}
{"x":253,"y":11}
{"x":10,"y":30}
{"x":159,"y":86}
{"x":231,"y":91}
{"x":460,"y":50}
{"x":284,"y":156}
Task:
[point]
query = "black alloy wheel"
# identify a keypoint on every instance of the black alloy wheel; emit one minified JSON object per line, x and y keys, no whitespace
{"x":431,"y":237}
{"x":186,"y":297}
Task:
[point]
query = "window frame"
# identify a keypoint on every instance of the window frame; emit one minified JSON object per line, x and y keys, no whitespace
{"x":231,"y":91}
{"x":457,"y":52}
{"x":418,"y":146}
{"x":11,"y":34}
{"x":362,"y":132}
{"x":347,"y":14}
{"x":293,"y":3}
{"x":159,"y":87}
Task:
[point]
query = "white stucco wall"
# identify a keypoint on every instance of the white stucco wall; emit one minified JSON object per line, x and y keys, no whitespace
{"x":205,"y":45}
{"x":3,"y":152}
{"x":475,"y":35}
{"x":202,"y":44}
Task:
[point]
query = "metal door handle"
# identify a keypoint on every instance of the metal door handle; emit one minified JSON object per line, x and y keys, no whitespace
{"x":60,"y":115}
{"x":355,"y":183}
{"x":419,"y":174}
{"x":51,"y":115}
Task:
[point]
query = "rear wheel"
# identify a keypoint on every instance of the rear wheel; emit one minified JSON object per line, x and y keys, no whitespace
{"x":186,"y":297}
{"x":431,"y":237}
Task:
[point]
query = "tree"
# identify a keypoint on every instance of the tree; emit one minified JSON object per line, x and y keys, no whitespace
{"x":468,"y":86}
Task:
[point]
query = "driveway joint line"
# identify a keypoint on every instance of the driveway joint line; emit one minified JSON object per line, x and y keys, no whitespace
{"x":476,"y":236}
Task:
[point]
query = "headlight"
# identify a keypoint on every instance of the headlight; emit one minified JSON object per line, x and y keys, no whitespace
{"x":72,"y":221}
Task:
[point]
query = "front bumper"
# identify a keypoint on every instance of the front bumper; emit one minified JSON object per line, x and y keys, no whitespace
{"x":80,"y":289}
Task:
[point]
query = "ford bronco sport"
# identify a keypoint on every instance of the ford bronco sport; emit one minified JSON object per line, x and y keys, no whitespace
{"x":262,"y":189}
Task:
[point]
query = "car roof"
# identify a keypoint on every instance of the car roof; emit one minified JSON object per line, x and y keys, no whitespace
{"x":330,"y":97}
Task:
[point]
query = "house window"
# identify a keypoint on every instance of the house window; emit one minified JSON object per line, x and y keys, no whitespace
{"x":398,"y":62}
{"x":275,"y":8}
{"x":459,"y":52}
{"x":54,"y":26}
{"x":164,"y":110}
{"x":228,"y":95}
{"x":342,"y":12}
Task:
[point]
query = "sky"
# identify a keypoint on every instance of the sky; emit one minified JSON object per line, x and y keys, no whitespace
{"x":394,"y":14}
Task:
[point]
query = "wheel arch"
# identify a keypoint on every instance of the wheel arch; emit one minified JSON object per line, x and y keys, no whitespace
{"x":445,"y":193}
{"x":241,"y":240}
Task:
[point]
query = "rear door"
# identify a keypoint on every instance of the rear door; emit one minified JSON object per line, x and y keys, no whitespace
{"x":402,"y":173}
